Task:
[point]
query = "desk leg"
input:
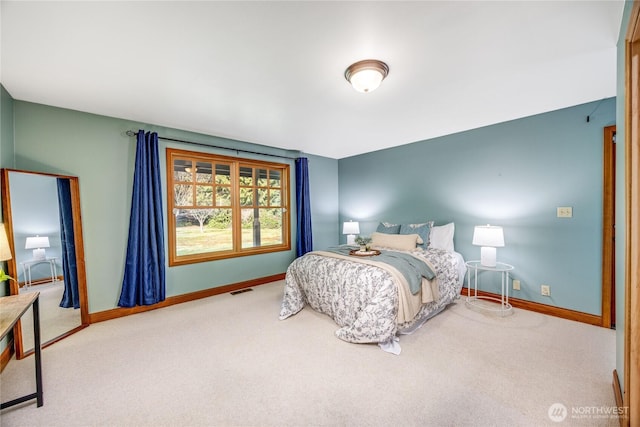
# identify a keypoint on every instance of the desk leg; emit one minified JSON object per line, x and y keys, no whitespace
{"x":38,"y":351}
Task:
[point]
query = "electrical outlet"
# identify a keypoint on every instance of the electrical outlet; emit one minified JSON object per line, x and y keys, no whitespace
{"x":516,"y":285}
{"x":545,"y":290}
{"x":564,"y":212}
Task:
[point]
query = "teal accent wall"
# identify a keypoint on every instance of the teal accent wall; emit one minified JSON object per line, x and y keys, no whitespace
{"x":6,"y":129}
{"x":512,"y":174}
{"x":620,"y":192}
{"x":97,"y":150}
{"x":323,"y":177}
{"x":6,"y":161}
{"x":6,"y":152}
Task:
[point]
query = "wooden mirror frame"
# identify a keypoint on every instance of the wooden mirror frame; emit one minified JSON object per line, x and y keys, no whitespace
{"x":79,"y":247}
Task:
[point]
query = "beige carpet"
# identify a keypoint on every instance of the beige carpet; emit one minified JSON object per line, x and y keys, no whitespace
{"x":228,"y":361}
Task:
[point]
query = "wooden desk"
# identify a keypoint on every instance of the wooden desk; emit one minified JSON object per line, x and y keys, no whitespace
{"x":11,"y":310}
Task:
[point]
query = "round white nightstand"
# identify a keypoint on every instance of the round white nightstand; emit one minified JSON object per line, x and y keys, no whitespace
{"x":504,"y":307}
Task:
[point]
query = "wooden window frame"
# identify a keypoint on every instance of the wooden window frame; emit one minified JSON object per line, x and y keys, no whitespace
{"x":235,"y":163}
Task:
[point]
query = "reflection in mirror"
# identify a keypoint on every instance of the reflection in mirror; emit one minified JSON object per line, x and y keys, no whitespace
{"x":42,"y":212}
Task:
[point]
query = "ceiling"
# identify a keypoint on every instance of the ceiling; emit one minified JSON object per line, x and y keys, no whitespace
{"x":272,"y":73}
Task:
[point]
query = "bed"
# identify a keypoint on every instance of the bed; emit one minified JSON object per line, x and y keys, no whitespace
{"x":372,"y":300}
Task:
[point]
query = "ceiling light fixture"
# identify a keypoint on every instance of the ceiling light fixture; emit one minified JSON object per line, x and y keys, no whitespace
{"x":365,"y":76}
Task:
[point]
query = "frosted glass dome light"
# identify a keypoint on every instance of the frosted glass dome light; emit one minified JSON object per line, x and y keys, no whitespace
{"x":365,"y":76}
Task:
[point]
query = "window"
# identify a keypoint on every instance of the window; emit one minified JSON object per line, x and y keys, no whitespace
{"x":223,"y":207}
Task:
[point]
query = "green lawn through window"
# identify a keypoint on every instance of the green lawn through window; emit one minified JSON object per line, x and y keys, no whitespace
{"x":190,"y":241}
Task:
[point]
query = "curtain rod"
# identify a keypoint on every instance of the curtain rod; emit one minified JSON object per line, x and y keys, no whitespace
{"x":237,"y":150}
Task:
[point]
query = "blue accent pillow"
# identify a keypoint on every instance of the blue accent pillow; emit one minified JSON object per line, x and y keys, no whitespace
{"x":387,"y":228}
{"x":423,"y":230}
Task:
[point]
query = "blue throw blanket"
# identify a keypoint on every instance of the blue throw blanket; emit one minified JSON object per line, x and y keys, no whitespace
{"x":412,"y":268}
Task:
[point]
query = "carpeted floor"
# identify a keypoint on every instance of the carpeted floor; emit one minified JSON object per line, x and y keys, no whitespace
{"x":228,"y":361}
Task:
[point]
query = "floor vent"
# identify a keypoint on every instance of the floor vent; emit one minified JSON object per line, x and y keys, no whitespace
{"x":241,"y":291}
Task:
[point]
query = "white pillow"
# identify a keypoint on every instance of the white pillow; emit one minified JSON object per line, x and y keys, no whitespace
{"x":441,"y":237}
{"x":401,"y":242}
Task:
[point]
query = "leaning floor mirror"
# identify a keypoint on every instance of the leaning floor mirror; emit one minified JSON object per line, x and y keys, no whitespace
{"x":44,"y":227}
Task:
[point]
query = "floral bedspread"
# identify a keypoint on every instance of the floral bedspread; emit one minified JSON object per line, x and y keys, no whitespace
{"x":361,"y":298}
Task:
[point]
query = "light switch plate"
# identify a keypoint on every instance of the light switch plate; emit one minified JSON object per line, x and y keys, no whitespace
{"x":565,"y":212}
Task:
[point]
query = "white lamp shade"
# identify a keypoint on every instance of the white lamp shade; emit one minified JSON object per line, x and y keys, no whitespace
{"x":37,"y":242}
{"x":488,"y":235}
{"x":5,"y":250}
{"x":351,"y":227}
{"x":366,"y":80}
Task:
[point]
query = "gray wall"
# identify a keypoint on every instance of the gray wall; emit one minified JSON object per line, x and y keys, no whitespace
{"x":512,"y":174}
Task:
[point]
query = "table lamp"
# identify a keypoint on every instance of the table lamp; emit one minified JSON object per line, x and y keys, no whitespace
{"x":38,"y":244}
{"x":489,"y":237}
{"x":351,"y":228}
{"x":5,"y":251}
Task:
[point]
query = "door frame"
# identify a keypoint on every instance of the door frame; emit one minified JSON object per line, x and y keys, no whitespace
{"x":631,"y":396}
{"x":608,"y":226}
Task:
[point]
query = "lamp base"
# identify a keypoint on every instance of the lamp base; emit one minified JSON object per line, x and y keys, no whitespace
{"x":488,"y":256}
{"x":39,"y":254}
{"x":351,"y":239}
